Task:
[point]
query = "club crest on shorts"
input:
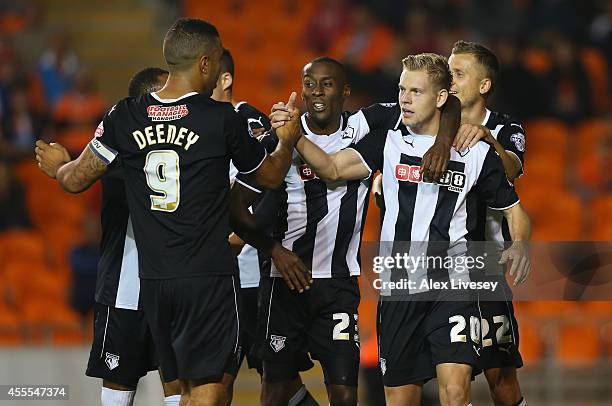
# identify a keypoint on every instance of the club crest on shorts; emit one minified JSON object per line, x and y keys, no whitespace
{"x":112,"y":361}
{"x":383,"y":365}
{"x":277,"y":342}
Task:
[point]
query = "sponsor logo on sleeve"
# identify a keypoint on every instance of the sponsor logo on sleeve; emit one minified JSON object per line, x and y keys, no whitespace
{"x":100,"y":130}
{"x":519,"y":141}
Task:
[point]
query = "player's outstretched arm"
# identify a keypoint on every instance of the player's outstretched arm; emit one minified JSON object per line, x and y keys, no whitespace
{"x":274,"y":168}
{"x":78,"y":175}
{"x":51,"y":157}
{"x":520,"y":231}
{"x":342,"y":165}
{"x":244,"y":224}
{"x":435,"y":160}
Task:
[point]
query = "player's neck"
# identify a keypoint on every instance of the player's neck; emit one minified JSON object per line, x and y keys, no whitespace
{"x":429,"y":127}
{"x":474,"y":114}
{"x":323,"y":128}
{"x":176,"y":86}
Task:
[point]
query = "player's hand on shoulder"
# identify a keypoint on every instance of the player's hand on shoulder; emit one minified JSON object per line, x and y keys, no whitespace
{"x":279,"y":115}
{"x":51,"y":157}
{"x":520,"y":264}
{"x":435,"y":161}
{"x":291,"y":267}
{"x":469,"y":135}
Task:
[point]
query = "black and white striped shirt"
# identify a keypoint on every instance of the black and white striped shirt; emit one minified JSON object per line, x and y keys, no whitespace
{"x":511,"y":135}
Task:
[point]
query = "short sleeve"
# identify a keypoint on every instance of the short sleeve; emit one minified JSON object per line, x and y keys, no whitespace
{"x":248,"y":182}
{"x":493,"y":186}
{"x":104,"y":142}
{"x":246,"y":153}
{"x":371,"y":148}
{"x":512,"y":137}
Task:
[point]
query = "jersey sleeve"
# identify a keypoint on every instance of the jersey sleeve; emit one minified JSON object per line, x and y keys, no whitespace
{"x":248,"y":182}
{"x":104,"y":142}
{"x":512,"y":137}
{"x":246,"y":153}
{"x":370,"y":150}
{"x":493,"y":185}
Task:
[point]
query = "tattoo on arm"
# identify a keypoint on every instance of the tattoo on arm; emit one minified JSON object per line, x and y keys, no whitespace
{"x":78,"y":175}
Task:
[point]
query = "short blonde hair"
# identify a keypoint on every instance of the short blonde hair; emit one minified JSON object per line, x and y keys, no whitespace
{"x":435,"y":65}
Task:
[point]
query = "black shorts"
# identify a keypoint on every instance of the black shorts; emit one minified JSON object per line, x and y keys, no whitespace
{"x":321,"y":321}
{"x":248,"y":330}
{"x":415,"y":336}
{"x":195,"y":325}
{"x":500,"y":336}
{"x":122,"y":351}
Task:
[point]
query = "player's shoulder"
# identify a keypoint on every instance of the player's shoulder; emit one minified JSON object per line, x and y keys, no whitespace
{"x":382,"y":109}
{"x":507,"y":121}
{"x":248,"y":110}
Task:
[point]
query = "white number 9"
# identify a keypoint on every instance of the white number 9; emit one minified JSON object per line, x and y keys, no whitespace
{"x":163,"y":176}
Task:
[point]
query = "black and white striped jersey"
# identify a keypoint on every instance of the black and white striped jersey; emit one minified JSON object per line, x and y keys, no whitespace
{"x":442,"y":211}
{"x":249,"y":260}
{"x":511,"y":135}
{"x":432,"y":219}
{"x":117,"y":283}
{"x":320,"y":222}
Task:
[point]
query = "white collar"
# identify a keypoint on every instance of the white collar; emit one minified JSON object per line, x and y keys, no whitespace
{"x":159,"y":99}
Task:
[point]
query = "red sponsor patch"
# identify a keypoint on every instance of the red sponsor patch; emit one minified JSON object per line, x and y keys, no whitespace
{"x":306,"y":173}
{"x":410,"y":173}
{"x":100,"y":130}
{"x":167,"y":113}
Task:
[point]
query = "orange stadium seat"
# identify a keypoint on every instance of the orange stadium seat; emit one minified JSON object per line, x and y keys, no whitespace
{"x":531,"y":344}
{"x":10,"y":326}
{"x":561,"y":221}
{"x":19,"y":246}
{"x":536,"y":60}
{"x":547,"y":137}
{"x":579,"y":344}
{"x":601,"y":218}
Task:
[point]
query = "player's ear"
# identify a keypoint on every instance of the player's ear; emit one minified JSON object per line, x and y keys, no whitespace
{"x":227,"y":80}
{"x":442,"y":97}
{"x":346,"y":92}
{"x":485,"y":86}
{"x":204,"y":64}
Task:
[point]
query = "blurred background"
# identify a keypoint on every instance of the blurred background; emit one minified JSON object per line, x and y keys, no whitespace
{"x":65,"y":62}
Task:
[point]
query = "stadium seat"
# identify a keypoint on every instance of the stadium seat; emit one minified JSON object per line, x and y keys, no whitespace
{"x":601,"y":218}
{"x":561,"y":221}
{"x":547,"y":137}
{"x":536,"y":60}
{"x":531,"y":344}
{"x":17,"y":246}
{"x":579,"y":344}
{"x":10,"y":326}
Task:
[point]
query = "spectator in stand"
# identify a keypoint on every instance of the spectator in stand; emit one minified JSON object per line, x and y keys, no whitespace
{"x":328,"y":21}
{"x":84,"y":265}
{"x":13,"y":208}
{"x":78,"y":112}
{"x":58,"y":66}
{"x":514,"y":82}
{"x":567,"y":83}
{"x":364,"y":44}
{"x":420,"y":31}
{"x":21,"y":127}
{"x":600,"y":30}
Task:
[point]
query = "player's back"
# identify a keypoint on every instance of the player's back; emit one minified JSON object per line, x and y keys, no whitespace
{"x":175,"y":154}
